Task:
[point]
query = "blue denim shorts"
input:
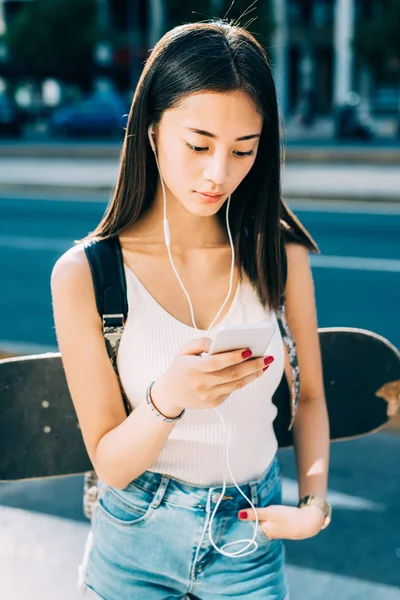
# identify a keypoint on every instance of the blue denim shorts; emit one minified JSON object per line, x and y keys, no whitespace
{"x":150,"y":542}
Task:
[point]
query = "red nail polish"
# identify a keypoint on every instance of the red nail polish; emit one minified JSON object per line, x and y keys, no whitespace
{"x":268,"y":360}
{"x":243,"y":514}
{"x":267,"y":367}
{"x":246,"y":353}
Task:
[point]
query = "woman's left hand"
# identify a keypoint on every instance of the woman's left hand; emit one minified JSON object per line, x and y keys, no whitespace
{"x":288,"y":522}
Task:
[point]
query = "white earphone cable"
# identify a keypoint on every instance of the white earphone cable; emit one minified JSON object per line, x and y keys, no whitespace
{"x":226,"y":430}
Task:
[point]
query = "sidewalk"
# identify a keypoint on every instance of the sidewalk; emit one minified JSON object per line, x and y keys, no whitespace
{"x":96,"y":177}
{"x":300,"y":147}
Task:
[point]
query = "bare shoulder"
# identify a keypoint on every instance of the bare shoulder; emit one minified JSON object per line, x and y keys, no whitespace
{"x":72,"y":266}
{"x":71,"y":281}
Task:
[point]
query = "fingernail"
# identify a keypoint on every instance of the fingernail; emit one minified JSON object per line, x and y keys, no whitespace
{"x":246,"y":353}
{"x":243,"y":514}
{"x":267,"y":367}
{"x":268,"y":360}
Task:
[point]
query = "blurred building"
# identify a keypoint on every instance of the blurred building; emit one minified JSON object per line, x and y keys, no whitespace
{"x":135,"y":27}
{"x":318,"y":61}
{"x":315,"y":64}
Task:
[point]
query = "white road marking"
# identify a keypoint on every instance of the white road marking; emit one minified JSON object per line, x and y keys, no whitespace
{"x":345,"y":206}
{"x":50,"y":195}
{"x":315,"y":584}
{"x":24,"y":348}
{"x":358,"y":263}
{"x":34,"y":243}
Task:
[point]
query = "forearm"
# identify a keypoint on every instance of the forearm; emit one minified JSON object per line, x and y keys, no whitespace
{"x":129,"y":449}
{"x":312,"y":445}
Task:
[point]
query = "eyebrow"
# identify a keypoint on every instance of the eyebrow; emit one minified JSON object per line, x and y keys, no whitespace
{"x":212,"y":135}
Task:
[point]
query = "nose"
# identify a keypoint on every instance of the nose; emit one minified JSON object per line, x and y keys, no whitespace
{"x":217,"y":168}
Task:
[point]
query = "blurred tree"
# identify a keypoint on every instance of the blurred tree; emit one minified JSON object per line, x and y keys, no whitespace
{"x":54,"y":38}
{"x":258,"y":19}
{"x":377,"y":39}
{"x":377,"y":42}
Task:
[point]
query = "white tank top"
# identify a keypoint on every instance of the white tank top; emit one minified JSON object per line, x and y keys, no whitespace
{"x":195,"y":449}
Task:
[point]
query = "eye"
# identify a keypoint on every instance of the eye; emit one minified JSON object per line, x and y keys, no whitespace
{"x":201,"y":149}
{"x":251,"y":153}
{"x":195,"y":148}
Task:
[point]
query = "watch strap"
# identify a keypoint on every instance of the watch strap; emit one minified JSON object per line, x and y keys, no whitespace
{"x":322,"y":503}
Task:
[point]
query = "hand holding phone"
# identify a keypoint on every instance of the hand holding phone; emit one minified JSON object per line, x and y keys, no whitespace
{"x":206,"y":371}
{"x":255,"y":337}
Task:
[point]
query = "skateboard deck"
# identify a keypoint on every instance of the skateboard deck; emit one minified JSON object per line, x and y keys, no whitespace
{"x":40,"y":434}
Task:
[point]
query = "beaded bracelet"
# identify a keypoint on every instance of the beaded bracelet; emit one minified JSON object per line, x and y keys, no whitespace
{"x":155,"y":409}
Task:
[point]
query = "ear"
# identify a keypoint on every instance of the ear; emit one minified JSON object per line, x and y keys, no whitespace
{"x":150,"y":133}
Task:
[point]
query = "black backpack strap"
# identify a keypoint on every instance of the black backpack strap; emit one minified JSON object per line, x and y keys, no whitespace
{"x":106,"y":264}
{"x":107,"y":268}
{"x":288,"y":339}
{"x":284,"y":268}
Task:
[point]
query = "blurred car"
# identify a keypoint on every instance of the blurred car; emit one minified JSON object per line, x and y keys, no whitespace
{"x":94,"y":115}
{"x":11,"y":119}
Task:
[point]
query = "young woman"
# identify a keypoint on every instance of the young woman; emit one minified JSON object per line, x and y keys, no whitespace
{"x":202,"y":137}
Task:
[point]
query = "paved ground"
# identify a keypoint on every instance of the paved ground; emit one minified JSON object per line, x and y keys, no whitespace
{"x":357,"y":558}
{"x":312,"y":181}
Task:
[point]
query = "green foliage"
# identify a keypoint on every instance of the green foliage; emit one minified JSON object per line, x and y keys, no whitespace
{"x":49,"y":37}
{"x":377,"y":39}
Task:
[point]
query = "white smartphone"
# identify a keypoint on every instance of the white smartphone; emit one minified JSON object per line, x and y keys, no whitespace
{"x":256,"y":337}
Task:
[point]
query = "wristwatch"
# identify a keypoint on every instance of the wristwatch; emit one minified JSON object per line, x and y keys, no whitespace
{"x":322,"y":503}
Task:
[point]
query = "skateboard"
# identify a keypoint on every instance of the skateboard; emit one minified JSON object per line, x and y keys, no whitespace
{"x":40,"y":434}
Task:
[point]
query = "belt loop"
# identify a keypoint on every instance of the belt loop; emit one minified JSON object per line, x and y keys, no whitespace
{"x":253,"y":493}
{"x":160,"y":492}
{"x":208,"y":502}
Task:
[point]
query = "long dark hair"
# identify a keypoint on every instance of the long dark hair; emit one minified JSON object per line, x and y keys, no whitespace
{"x":220,"y":57}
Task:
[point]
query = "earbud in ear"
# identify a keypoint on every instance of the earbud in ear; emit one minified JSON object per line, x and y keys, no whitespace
{"x":150,"y":134}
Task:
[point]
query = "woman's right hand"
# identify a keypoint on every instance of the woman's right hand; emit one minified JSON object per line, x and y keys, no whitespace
{"x":195,"y":381}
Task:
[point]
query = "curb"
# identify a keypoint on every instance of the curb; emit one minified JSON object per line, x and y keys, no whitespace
{"x":389,"y":155}
{"x":344,"y":155}
{"x":53,"y":192}
{"x":104,"y":193}
{"x":351,"y":196}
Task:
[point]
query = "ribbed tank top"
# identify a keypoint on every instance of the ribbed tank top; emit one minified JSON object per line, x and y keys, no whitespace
{"x":195,"y":450}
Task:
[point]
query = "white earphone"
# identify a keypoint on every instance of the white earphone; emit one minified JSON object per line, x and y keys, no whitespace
{"x":150,"y":134}
{"x":252,"y":542}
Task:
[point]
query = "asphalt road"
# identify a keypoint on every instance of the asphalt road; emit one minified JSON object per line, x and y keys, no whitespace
{"x":357,"y":277}
{"x":357,"y":281}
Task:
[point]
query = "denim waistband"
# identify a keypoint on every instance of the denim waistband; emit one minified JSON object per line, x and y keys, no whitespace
{"x":176,"y":491}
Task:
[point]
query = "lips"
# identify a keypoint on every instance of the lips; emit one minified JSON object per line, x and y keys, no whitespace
{"x":209,"y":194}
{"x":209,"y":198}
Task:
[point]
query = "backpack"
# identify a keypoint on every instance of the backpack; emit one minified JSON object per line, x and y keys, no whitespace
{"x":107,"y":269}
